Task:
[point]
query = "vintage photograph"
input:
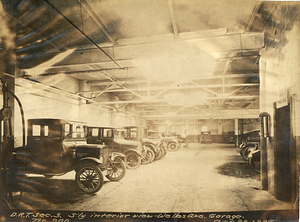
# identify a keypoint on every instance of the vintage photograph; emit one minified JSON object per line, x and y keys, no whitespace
{"x":149,"y":110}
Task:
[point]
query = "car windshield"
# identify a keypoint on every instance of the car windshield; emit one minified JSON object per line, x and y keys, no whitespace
{"x":131,"y":133}
{"x":74,"y":131}
{"x":119,"y":133}
{"x":153,"y":135}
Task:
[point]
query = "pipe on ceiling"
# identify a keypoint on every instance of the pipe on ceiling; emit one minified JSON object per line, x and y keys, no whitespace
{"x":35,"y":16}
{"x":32,"y":60}
{"x":87,"y":37}
{"x":24,"y":6}
{"x":44,"y":45}
{"x":45,"y":30}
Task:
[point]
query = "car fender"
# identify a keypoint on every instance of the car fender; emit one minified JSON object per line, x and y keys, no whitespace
{"x":90,"y":160}
{"x":153,"y":147}
{"x":132,"y":150}
{"x":113,"y":155}
{"x":173,"y":141}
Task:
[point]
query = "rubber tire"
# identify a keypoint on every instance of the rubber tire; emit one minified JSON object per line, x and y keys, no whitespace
{"x":172,"y":147}
{"x":130,"y":164}
{"x":148,"y":157}
{"x":159,"y":154}
{"x":97,"y":170}
{"x":255,"y":165}
{"x":164,"y":150}
{"x":121,"y":168}
{"x":152,"y":150}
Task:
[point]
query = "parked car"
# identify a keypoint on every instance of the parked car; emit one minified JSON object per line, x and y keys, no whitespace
{"x":56,"y":146}
{"x":249,"y":149}
{"x":139,"y":133}
{"x":171,"y":142}
{"x":205,"y":137}
{"x":248,"y":141}
{"x":229,"y":137}
{"x":112,"y":137}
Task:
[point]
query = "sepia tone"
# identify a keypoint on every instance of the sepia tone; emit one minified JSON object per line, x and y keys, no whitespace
{"x":149,"y":109}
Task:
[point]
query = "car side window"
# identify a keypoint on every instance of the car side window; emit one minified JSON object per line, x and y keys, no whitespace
{"x":95,"y":132}
{"x":107,"y":133}
{"x":36,"y":130}
{"x":46,"y":131}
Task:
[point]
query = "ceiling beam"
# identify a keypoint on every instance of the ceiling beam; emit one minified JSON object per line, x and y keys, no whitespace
{"x":145,"y":100}
{"x":97,"y":20}
{"x":176,"y":87}
{"x":128,"y":82}
{"x":173,"y":19}
{"x":221,"y":114}
{"x":130,"y":50}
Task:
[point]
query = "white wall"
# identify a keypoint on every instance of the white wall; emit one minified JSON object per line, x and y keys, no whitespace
{"x":39,"y":101}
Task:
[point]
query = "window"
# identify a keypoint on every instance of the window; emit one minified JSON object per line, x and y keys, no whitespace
{"x":67,"y":129}
{"x":36,"y":130}
{"x":107,"y":132}
{"x":133,"y":132}
{"x":46,"y":131}
{"x":95,"y":132}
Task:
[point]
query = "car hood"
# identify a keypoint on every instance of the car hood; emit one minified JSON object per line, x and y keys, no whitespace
{"x":81,"y":143}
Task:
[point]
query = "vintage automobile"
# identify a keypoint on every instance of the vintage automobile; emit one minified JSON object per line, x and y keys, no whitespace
{"x":171,"y":142}
{"x":112,"y":137}
{"x":205,"y":137}
{"x":249,"y":141}
{"x":56,"y":147}
{"x":139,"y":133}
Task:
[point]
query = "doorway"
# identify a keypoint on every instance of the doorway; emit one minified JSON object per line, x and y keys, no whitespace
{"x":282,"y":158}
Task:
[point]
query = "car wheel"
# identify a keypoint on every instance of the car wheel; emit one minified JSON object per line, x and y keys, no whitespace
{"x":148,"y":157}
{"x":254,"y":162}
{"x":165,"y":151}
{"x":89,"y":178}
{"x":152,"y":156}
{"x":117,"y":169}
{"x":132,"y":161}
{"x":158,"y":154}
{"x":173,"y":146}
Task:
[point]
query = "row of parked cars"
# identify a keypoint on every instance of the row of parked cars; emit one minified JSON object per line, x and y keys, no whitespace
{"x":248,"y":146}
{"x":56,"y":146}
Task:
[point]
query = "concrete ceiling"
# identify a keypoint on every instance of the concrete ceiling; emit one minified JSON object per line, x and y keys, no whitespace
{"x":156,"y":59}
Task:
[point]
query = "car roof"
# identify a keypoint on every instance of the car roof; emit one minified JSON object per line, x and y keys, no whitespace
{"x":52,"y":121}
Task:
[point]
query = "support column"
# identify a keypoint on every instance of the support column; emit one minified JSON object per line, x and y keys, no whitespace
{"x":83,"y":104}
{"x":187,"y":140}
{"x":236,"y":130}
{"x":265,"y":121}
{"x":7,"y":73}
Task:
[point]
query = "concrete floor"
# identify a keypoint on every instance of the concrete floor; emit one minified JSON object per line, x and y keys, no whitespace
{"x":202,"y":178}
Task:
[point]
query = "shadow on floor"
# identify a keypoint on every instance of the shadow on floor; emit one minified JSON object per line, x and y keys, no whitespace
{"x":238,"y":169}
{"x":42,"y":192}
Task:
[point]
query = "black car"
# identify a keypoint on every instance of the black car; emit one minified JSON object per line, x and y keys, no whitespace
{"x":112,"y":137}
{"x":56,"y":147}
{"x":154,"y":146}
{"x":205,"y":137}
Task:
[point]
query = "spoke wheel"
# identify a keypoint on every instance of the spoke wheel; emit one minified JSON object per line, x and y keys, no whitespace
{"x":132,"y":160}
{"x":173,"y":146}
{"x":147,"y":158}
{"x":165,"y":151}
{"x":254,"y":163}
{"x":89,"y":178}
{"x":158,"y":154}
{"x":152,"y":155}
{"x":117,"y":170}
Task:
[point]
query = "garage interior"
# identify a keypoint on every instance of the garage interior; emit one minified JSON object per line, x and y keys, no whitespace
{"x":173,"y":66}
